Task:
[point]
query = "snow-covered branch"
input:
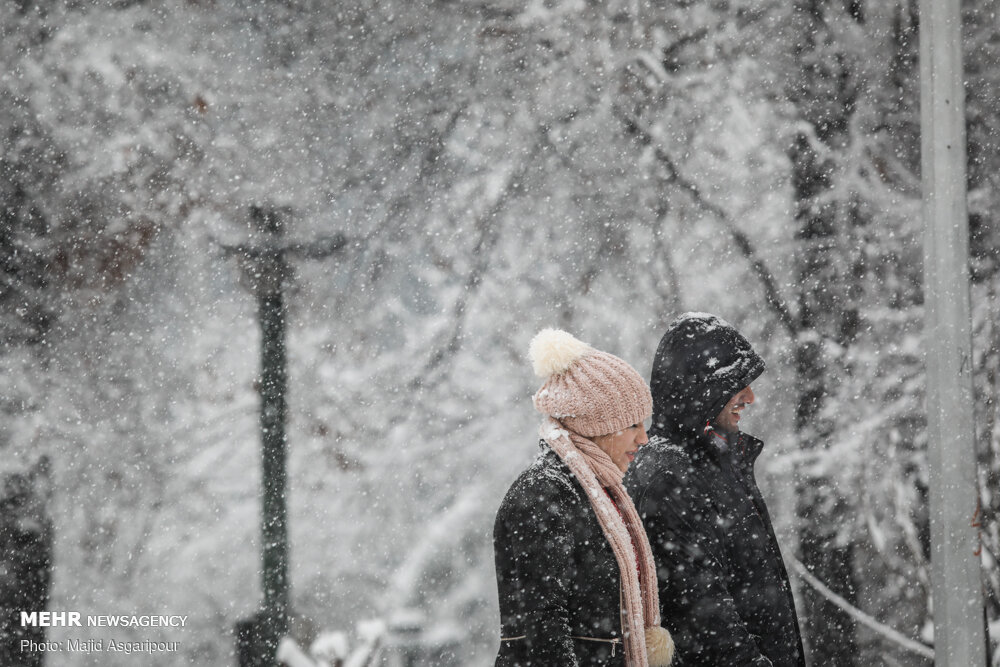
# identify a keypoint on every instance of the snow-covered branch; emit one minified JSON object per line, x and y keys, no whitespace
{"x":861,"y":617}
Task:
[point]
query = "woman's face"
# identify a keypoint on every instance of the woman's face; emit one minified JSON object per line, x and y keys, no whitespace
{"x":623,"y":445}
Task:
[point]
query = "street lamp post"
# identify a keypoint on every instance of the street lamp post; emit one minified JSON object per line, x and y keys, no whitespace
{"x":266,"y":265}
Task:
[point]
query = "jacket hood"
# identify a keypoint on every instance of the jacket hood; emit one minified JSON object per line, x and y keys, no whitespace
{"x":701,"y":363}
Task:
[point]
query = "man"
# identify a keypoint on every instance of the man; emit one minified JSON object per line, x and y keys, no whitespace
{"x":724,"y":591}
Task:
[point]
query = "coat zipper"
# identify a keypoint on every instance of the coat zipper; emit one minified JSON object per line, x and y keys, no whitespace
{"x":614,"y":642}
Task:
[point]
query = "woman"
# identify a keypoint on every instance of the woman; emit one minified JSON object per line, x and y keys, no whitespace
{"x":576,"y":579}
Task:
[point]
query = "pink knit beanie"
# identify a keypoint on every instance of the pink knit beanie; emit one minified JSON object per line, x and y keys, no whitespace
{"x":591,"y":392}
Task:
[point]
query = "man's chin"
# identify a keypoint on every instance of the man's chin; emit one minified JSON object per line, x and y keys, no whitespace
{"x":727,"y":429}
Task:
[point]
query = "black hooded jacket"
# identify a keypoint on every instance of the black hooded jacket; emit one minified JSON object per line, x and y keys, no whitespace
{"x":724,"y":591}
{"x":557,"y":576}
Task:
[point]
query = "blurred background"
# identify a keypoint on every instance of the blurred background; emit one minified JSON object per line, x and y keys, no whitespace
{"x":455,"y":175}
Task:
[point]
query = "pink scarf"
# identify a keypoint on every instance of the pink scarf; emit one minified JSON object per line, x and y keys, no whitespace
{"x":596,"y":472}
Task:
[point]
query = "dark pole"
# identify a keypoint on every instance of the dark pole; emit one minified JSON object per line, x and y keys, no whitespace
{"x":266,"y":265}
{"x":272,"y":273}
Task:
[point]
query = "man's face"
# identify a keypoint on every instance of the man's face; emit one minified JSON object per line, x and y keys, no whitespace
{"x":729,"y":419}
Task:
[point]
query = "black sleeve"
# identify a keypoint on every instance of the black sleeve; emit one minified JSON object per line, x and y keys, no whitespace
{"x":694,"y":599}
{"x":534,"y":551}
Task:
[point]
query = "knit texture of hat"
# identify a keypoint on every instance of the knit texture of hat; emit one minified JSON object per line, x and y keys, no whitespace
{"x":591,"y":392}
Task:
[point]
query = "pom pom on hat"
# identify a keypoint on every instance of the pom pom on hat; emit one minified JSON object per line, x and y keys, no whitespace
{"x":659,"y":646}
{"x":553,"y":351}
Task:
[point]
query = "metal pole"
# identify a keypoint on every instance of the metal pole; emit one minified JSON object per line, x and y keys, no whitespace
{"x":956,"y":577}
{"x":272,"y":420}
{"x":272,"y":273}
{"x":268,"y":269}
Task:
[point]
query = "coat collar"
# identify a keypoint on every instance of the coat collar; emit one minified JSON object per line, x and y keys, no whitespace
{"x":741,"y":448}
{"x":744,"y":448}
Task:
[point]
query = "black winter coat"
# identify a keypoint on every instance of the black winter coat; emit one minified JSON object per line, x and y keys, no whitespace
{"x":724,"y":590}
{"x":557,"y":576}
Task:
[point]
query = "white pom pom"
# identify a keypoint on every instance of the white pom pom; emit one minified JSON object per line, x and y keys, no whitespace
{"x":659,"y":646}
{"x":553,"y":351}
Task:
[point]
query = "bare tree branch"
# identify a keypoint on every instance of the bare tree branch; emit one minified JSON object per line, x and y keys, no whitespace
{"x":772,"y":294}
{"x":489,"y":234}
{"x":892,"y":635}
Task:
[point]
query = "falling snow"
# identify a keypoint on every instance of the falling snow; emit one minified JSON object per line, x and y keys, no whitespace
{"x":451,"y":178}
